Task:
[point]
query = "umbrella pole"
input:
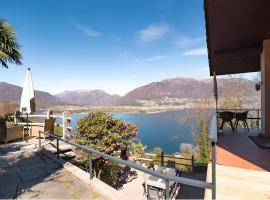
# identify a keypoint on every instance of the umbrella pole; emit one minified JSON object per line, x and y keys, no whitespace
{"x":27,"y":127}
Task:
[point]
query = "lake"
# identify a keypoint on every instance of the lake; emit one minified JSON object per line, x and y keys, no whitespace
{"x":155,"y":129}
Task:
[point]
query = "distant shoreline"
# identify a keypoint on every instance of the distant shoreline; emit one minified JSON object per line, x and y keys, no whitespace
{"x":124,"y":109}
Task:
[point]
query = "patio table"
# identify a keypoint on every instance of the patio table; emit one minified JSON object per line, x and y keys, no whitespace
{"x":158,"y":182}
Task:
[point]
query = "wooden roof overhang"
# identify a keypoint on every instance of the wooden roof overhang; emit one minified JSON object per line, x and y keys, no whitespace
{"x":235,"y":30}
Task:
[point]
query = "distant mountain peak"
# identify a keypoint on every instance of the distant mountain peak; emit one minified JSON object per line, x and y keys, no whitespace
{"x":87,"y":97}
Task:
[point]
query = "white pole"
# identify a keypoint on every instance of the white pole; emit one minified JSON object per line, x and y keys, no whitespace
{"x":64,"y":126}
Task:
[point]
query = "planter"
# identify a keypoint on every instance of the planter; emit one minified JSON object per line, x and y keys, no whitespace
{"x":200,"y":167}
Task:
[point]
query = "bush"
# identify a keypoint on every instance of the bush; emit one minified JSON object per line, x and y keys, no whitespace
{"x":102,"y":132}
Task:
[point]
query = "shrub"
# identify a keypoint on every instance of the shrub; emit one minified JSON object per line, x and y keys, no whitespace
{"x":102,"y":132}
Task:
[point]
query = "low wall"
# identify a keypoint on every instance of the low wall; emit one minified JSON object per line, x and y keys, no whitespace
{"x":102,"y":187}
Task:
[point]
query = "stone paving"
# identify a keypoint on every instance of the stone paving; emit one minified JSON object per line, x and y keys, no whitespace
{"x":28,"y":174}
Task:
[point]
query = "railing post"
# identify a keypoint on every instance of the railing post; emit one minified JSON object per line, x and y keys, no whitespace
{"x":167,"y":192}
{"x":213,"y":170}
{"x":258,"y":119}
{"x":57,"y":148}
{"x":162,"y":159}
{"x":39,"y":140}
{"x":90,"y":166}
{"x":192,"y":163}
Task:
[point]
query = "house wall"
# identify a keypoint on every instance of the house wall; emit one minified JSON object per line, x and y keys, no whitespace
{"x":265,"y":90}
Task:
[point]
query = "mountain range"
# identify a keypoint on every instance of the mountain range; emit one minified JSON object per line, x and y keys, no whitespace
{"x":96,"y":98}
{"x":12,"y":93}
{"x":177,"y":88}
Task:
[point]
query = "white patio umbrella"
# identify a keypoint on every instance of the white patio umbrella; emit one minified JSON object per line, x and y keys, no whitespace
{"x":28,"y":105}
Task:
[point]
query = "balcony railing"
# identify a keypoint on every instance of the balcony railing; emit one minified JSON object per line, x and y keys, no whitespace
{"x":253,"y":115}
{"x":167,"y":178}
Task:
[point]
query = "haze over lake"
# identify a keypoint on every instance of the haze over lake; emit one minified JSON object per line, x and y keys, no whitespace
{"x":155,"y":129}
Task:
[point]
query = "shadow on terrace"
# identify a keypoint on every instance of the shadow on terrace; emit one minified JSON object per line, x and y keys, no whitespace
{"x":33,"y":174}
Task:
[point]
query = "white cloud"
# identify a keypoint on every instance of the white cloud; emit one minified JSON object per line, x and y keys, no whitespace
{"x":153,"y":32}
{"x":88,"y":31}
{"x":196,"y":52}
{"x":154,"y":58}
{"x":185,"y":41}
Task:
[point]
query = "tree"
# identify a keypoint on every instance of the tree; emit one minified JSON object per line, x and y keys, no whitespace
{"x":9,"y":46}
{"x":102,"y":132}
{"x":197,"y":119}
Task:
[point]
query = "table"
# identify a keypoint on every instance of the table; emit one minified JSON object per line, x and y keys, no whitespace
{"x":158,"y":182}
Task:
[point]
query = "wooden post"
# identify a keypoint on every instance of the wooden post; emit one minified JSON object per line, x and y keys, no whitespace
{"x":162,"y":159}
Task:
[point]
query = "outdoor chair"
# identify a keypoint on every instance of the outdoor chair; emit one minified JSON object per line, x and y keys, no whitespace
{"x":154,"y":193}
{"x":47,"y":127}
{"x":226,"y":116}
{"x":241,"y":117}
{"x":10,"y":133}
{"x":171,"y":164}
{"x":176,"y":186}
{"x":155,"y":167}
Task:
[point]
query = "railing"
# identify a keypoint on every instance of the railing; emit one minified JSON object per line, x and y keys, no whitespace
{"x":253,"y":114}
{"x":213,"y":139}
{"x":167,"y":178}
{"x":164,"y":160}
{"x":66,"y":120}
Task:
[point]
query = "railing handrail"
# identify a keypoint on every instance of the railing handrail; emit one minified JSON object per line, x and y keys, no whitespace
{"x":41,"y":115}
{"x":244,"y":109}
{"x":182,"y":180}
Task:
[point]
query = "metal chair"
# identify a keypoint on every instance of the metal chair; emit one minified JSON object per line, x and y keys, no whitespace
{"x":227,"y":116}
{"x":241,"y":117}
{"x":171,"y":164}
{"x":154,"y":193}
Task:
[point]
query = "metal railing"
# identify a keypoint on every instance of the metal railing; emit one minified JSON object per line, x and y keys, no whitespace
{"x":66,"y":120}
{"x":166,"y":177}
{"x":213,"y":139}
{"x":253,"y":114}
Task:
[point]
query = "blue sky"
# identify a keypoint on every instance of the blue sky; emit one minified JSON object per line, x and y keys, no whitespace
{"x":114,"y":45}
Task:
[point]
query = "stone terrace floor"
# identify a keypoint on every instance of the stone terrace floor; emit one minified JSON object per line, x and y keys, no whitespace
{"x":27,"y":174}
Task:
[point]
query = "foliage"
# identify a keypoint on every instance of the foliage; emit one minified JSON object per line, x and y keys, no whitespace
{"x":187,"y":150}
{"x":197,"y":120}
{"x":234,"y":94}
{"x":9,"y":46}
{"x":203,"y":142}
{"x":137,"y":148}
{"x":58,"y":130}
{"x":102,"y":132}
{"x":8,"y":117}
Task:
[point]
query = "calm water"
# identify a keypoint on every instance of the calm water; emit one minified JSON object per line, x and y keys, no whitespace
{"x":155,"y":129}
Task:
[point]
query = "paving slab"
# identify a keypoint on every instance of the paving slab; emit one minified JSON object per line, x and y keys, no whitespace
{"x":33,"y":174}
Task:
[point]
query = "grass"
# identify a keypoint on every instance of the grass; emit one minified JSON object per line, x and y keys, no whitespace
{"x":180,"y":163}
{"x":58,"y":130}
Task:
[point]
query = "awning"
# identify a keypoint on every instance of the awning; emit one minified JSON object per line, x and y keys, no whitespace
{"x":235,"y":31}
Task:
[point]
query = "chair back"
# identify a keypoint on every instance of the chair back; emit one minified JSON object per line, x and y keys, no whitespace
{"x":153,"y":193}
{"x":171,"y":164}
{"x":226,"y":115}
{"x":241,"y":116}
{"x":49,"y":125}
{"x":155,"y":167}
